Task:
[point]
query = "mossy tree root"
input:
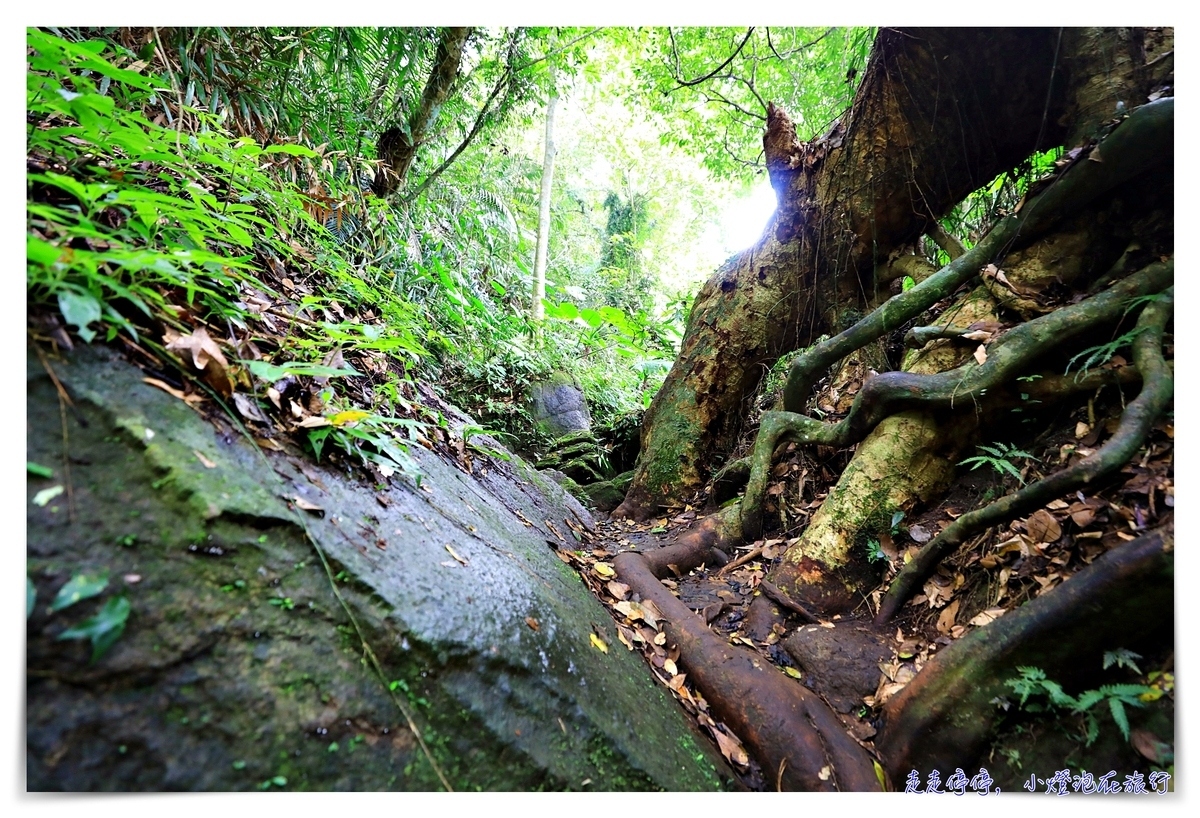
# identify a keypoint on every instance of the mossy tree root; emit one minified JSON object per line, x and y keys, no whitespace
{"x":1143,"y":140}
{"x":1158,"y":388}
{"x":892,"y":392}
{"x":946,"y":715}
{"x":1043,"y":389}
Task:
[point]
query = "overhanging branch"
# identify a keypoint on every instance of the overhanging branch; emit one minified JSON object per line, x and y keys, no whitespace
{"x":688,"y":83}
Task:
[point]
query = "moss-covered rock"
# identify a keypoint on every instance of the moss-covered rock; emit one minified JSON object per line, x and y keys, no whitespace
{"x":603,"y":496}
{"x":240,"y":667}
{"x":579,"y":456}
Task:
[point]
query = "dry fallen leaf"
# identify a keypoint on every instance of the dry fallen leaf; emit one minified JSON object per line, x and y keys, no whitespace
{"x":604,"y":569}
{"x":454,"y":554}
{"x":632,"y":610}
{"x":711,"y":612}
{"x":247,"y":408}
{"x":1150,"y":746}
{"x":205,"y":355}
{"x":1042,"y":527}
{"x":618,"y":589}
{"x":919,"y":534}
{"x":651,"y":613}
{"x":731,"y":748}
{"x":598,"y":643}
{"x":946,"y":619}
{"x":1082,"y":514}
{"x":983,"y":618}
{"x":170,"y":390}
{"x":208,"y":464}
{"x":981,"y":354}
{"x":532,"y":623}
{"x":305,"y":505}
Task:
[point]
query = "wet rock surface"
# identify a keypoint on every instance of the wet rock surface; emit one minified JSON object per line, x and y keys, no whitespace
{"x":239,"y":667}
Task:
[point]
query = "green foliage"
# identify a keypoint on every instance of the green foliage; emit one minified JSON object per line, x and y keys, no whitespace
{"x":275,"y":372}
{"x":150,"y":221}
{"x":372,"y":438}
{"x":716,"y":82}
{"x":137,"y":223}
{"x":875,"y":551}
{"x":1122,"y":657}
{"x":1032,"y":684}
{"x":1101,"y":353}
{"x":974,"y":216}
{"x":38,"y":470}
{"x":79,"y":587}
{"x":170,"y":169}
{"x":104,"y":628}
{"x":999,"y":456}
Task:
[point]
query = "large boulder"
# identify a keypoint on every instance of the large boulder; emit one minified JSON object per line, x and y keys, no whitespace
{"x":558,"y":407}
{"x":242,"y":663}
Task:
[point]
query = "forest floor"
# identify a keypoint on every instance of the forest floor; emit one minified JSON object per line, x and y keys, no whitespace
{"x":993,"y":574}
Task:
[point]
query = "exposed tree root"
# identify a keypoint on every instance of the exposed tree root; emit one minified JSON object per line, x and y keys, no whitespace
{"x":1045,"y":388}
{"x":1158,"y":387}
{"x":949,"y":244}
{"x":891,"y":392}
{"x":788,"y":729}
{"x":847,"y":199}
{"x":780,"y":598}
{"x":785,"y":727}
{"x":1143,"y":140}
{"x":944,"y":717}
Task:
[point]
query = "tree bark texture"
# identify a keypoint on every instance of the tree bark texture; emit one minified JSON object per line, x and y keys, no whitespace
{"x":940,"y":112}
{"x":396,"y":148}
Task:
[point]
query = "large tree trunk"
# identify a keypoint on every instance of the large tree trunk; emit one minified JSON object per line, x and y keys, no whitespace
{"x":940,"y":112}
{"x":1069,"y":252}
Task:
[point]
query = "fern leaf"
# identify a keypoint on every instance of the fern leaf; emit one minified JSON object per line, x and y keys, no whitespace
{"x":1118,"y":713}
{"x":1005,"y":466}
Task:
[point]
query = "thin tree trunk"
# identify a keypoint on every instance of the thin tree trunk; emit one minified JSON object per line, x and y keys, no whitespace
{"x":396,"y":148}
{"x":543,"y":234}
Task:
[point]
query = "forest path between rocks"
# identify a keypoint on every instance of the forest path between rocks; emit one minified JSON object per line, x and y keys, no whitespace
{"x":838,"y":658}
